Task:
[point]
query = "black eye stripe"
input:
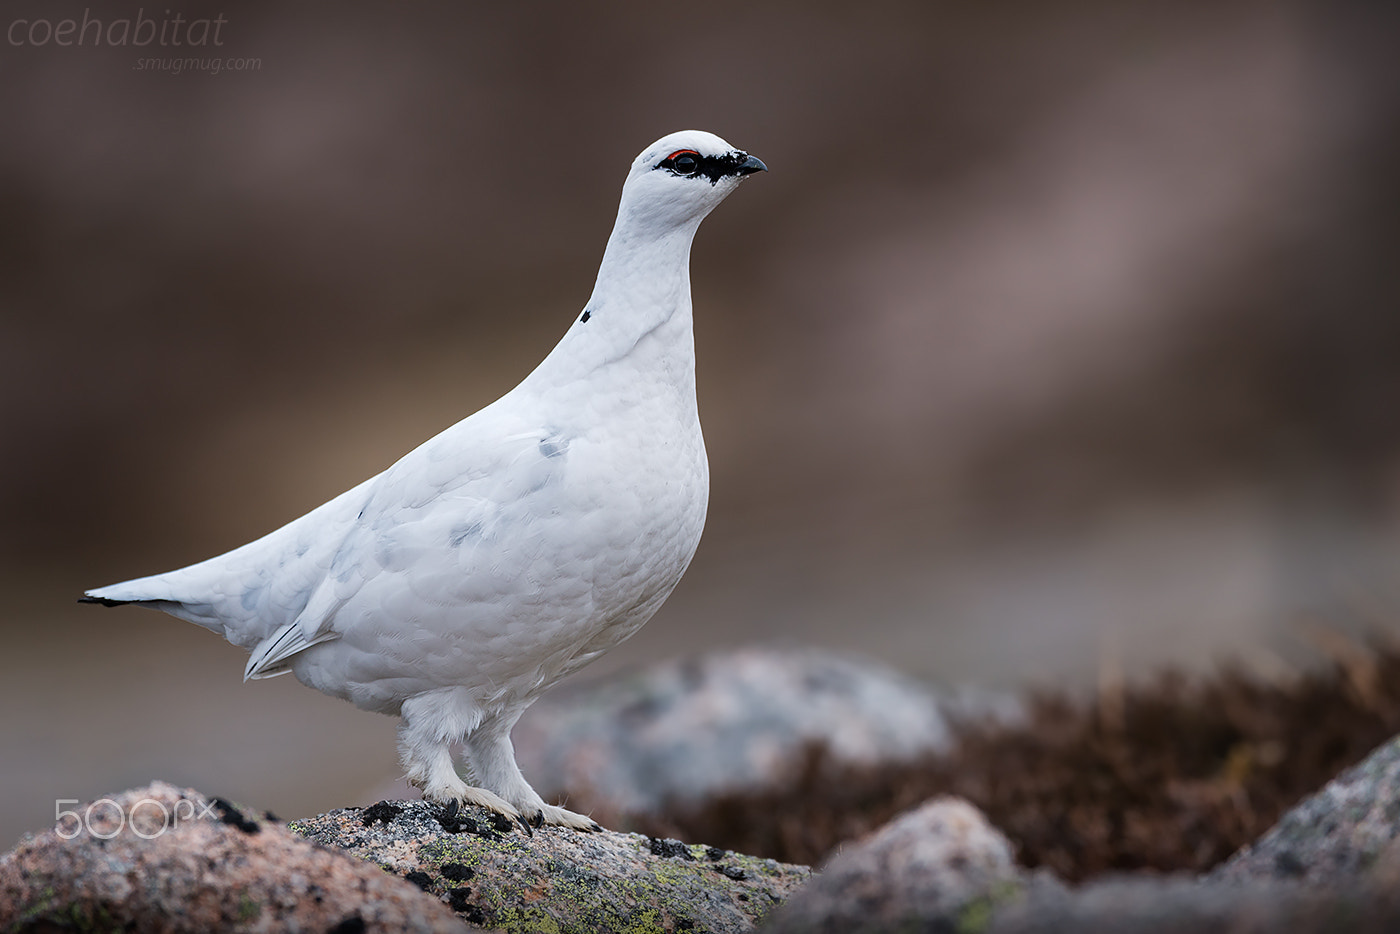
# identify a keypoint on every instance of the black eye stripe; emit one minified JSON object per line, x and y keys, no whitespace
{"x":712,"y":167}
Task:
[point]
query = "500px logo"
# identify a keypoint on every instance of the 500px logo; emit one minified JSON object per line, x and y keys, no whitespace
{"x":105,"y":818}
{"x":142,"y":31}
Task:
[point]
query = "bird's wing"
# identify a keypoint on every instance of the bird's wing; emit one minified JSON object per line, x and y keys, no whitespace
{"x":269,"y":658}
{"x":436,"y":496}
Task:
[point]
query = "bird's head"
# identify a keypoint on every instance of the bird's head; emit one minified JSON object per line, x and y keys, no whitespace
{"x":680,"y":178}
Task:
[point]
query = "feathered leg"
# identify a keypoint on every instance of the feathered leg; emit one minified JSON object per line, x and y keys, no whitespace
{"x":492,"y":759}
{"x":431,"y":723}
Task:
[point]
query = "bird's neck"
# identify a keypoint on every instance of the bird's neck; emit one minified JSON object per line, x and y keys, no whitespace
{"x":639,"y":314}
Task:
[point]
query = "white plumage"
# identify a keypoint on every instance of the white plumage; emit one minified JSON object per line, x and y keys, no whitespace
{"x":518,"y":545}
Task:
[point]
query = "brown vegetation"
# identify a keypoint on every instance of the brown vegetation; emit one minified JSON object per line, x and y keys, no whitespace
{"x":1172,"y":775}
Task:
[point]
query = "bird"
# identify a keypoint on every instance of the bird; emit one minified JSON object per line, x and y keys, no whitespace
{"x":516,"y":546}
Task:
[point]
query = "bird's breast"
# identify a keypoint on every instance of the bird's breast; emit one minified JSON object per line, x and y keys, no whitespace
{"x":508,"y":582}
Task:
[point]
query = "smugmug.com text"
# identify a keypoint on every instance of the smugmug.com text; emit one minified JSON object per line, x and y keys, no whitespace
{"x":211,"y":66}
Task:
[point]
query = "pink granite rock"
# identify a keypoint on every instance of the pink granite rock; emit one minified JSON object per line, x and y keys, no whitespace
{"x":938,"y":867}
{"x":165,"y":859}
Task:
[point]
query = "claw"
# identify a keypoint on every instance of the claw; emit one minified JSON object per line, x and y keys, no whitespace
{"x":525,"y":825}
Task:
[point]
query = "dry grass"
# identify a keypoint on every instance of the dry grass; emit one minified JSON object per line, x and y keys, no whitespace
{"x":1175,"y":774}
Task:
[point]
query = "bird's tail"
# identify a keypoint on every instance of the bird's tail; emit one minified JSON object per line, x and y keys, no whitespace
{"x":146,"y":590}
{"x":159,"y":593}
{"x":91,"y":597}
{"x":248,"y":594}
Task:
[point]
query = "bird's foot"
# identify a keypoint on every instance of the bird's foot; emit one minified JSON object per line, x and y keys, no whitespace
{"x":456,"y":791}
{"x":559,"y":817}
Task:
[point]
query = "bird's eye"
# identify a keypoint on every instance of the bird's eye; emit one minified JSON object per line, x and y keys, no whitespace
{"x":684,"y":162}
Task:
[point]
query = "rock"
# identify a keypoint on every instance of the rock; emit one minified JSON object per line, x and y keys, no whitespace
{"x":161,"y":858}
{"x":492,"y":873}
{"x":740,"y":721}
{"x":1338,"y":835}
{"x":166,"y":859}
{"x":1183,"y":905}
{"x":939,"y":867}
{"x":1331,"y":863}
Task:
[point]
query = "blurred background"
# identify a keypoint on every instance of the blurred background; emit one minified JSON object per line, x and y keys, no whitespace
{"x":1061,"y":341}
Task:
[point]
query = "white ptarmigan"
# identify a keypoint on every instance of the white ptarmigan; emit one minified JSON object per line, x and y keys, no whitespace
{"x":518,"y":545}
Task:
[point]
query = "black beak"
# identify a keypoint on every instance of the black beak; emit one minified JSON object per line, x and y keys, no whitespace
{"x":750,"y":165}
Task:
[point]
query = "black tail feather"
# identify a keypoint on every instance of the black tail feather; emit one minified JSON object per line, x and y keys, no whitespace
{"x":104,"y":601}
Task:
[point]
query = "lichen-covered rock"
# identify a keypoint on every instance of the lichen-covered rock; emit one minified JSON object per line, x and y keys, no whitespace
{"x":166,"y":859}
{"x":1338,"y":835}
{"x":494,"y":874}
{"x":681,"y":732}
{"x":939,"y":867}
